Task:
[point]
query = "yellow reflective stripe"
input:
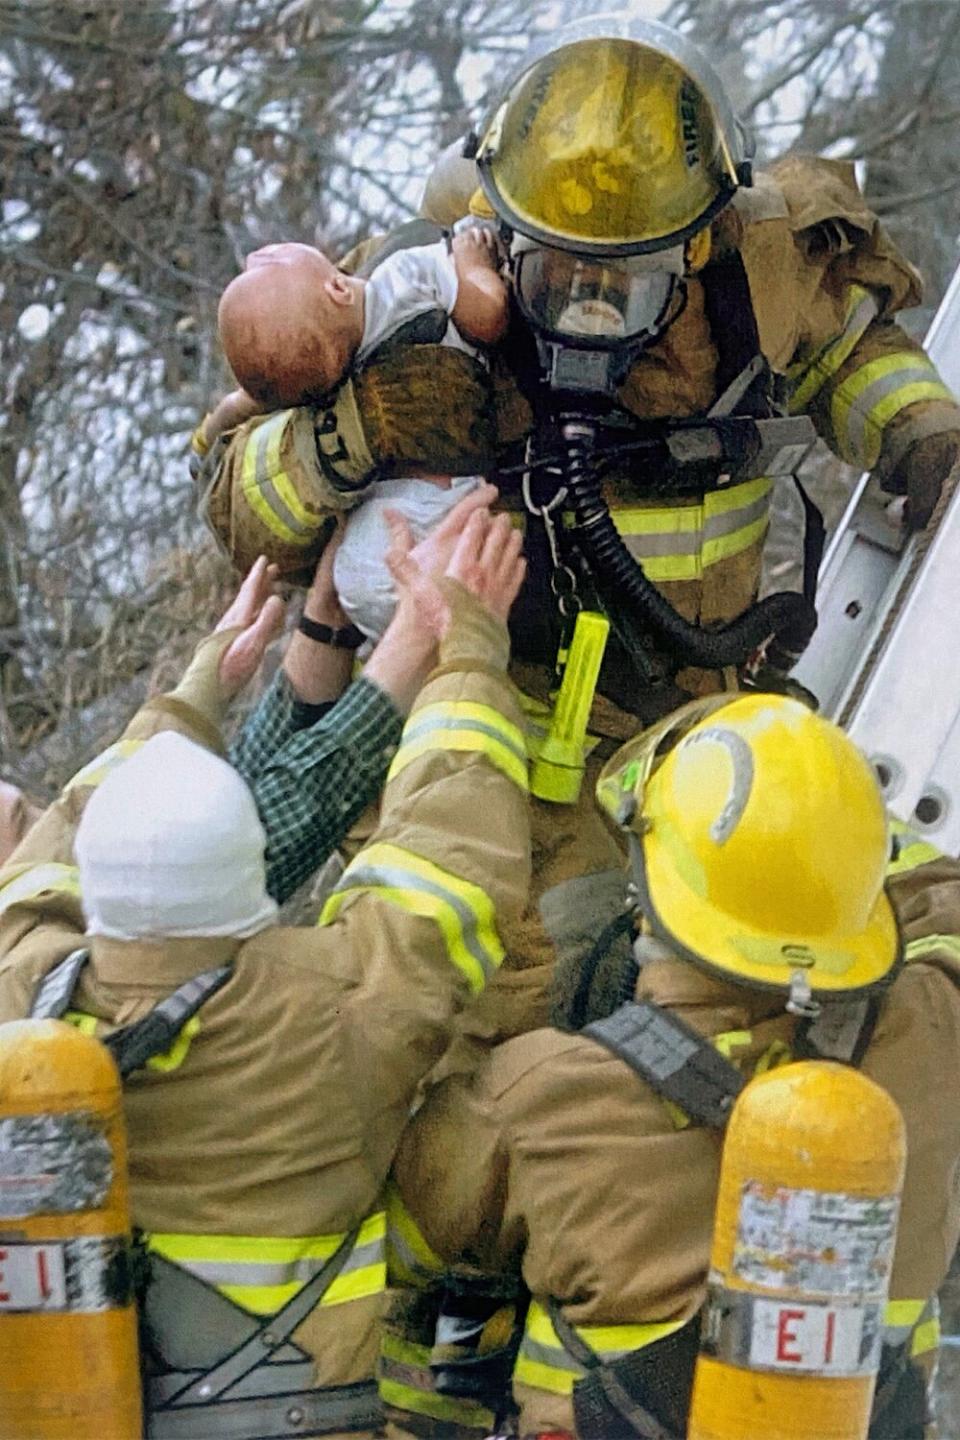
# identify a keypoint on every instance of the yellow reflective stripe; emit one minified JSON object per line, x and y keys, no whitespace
{"x":409,"y":1258}
{"x":869,"y":399}
{"x":925,"y":1338}
{"x":679,"y":542}
{"x":911,"y":850}
{"x":903,"y":1314}
{"x":809,"y":376}
{"x":406,"y":1382}
{"x":778,"y":1052}
{"x":543,"y":1362}
{"x":173,"y":1058}
{"x":729,"y":1040}
{"x":462,"y":911}
{"x":167,"y":1060}
{"x":238,"y":1264}
{"x":34,"y":880}
{"x":916,"y":1322}
{"x":734,"y":544}
{"x":736,"y":497}
{"x":99,"y":768}
{"x":465,"y":726}
{"x":80,"y":1020}
{"x":268,"y":489}
{"x":927,"y":944}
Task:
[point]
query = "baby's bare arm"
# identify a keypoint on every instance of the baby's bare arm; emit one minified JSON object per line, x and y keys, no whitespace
{"x":229,"y":412}
{"x":482,"y":309}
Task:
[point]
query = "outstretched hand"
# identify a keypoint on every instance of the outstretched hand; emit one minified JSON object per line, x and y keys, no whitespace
{"x":480,"y":551}
{"x":259,"y":615}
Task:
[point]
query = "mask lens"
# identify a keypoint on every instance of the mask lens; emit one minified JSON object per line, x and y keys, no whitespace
{"x":591,"y":300}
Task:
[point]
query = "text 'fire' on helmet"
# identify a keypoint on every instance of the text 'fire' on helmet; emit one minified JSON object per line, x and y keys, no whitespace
{"x":613,"y":137}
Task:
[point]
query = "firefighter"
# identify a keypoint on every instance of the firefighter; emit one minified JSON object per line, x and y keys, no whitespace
{"x":269,"y":1070}
{"x":774,"y":920}
{"x":617,"y":177}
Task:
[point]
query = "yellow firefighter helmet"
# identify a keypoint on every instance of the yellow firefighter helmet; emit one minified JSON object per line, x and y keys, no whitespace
{"x":614,"y":137}
{"x":760,"y":844}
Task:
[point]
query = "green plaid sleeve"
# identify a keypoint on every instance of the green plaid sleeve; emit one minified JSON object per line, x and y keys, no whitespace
{"x":311,"y":781}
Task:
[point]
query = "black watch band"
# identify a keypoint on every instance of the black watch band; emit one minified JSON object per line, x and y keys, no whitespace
{"x":347,"y":637}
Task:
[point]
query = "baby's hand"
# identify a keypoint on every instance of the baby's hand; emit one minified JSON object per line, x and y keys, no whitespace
{"x":477,"y":245}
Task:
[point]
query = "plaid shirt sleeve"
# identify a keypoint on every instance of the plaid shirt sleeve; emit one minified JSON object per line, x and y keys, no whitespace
{"x":313,"y":770}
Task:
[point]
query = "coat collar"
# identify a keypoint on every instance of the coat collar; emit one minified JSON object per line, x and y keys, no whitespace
{"x":147,"y":967}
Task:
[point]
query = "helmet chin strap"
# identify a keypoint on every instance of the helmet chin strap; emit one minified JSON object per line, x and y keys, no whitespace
{"x":800,"y":1000}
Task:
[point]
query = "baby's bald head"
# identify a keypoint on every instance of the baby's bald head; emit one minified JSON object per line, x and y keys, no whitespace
{"x":290,"y":324}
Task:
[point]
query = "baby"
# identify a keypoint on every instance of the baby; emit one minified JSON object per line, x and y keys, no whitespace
{"x":292,"y":325}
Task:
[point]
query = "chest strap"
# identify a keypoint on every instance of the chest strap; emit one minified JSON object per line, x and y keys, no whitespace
{"x":673,"y":1059}
{"x":131,"y":1045}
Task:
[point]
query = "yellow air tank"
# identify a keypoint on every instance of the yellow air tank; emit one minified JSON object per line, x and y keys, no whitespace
{"x":68,"y":1331}
{"x":802,"y":1250}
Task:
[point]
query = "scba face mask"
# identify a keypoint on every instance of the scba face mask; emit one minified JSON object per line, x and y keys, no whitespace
{"x":597,"y":303}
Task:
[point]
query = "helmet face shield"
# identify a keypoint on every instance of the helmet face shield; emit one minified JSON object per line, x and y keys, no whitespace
{"x":611,"y":144}
{"x":597,"y":303}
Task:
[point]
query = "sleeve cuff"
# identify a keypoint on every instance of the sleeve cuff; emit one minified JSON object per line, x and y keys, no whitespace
{"x":365,"y":721}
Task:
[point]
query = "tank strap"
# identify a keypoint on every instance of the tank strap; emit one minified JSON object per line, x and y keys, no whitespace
{"x":274,"y":1332}
{"x":674,"y":1060}
{"x":132,"y":1045}
{"x":135,"y":1044}
{"x":643,"y":1423}
{"x":334,"y":1409}
{"x":57,"y":986}
{"x":733,"y":324}
{"x":842,"y":1031}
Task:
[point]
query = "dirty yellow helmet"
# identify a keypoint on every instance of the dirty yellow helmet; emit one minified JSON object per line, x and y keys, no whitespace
{"x":614,"y":137}
{"x":760,"y":845}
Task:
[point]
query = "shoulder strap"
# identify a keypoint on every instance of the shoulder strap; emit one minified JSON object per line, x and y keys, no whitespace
{"x":427,"y":328}
{"x":133,"y":1045}
{"x":673,"y":1059}
{"x":56,"y":988}
{"x":733,"y":324}
{"x":842,"y":1031}
{"x":274,"y":1332}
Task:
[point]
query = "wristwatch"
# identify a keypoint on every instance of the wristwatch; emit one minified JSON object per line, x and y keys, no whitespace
{"x":346,"y":637}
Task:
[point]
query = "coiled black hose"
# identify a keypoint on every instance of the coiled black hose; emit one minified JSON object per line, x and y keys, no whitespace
{"x":782,"y":623}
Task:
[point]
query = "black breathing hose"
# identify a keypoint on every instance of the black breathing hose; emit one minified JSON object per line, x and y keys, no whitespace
{"x":783,"y":623}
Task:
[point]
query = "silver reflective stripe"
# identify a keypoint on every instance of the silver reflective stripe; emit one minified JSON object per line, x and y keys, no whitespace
{"x":560,"y":1359}
{"x":267,"y":488}
{"x":403,"y":1253}
{"x":810,"y":379}
{"x":729,"y":521}
{"x":259,"y":1272}
{"x":859,"y":415}
{"x":689,"y":542}
{"x":413,"y":731}
{"x":387,"y":876}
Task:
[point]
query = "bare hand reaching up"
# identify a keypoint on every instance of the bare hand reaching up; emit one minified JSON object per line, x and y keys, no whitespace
{"x":485,"y":559}
{"x":259,"y":615}
{"x":481,"y":553}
